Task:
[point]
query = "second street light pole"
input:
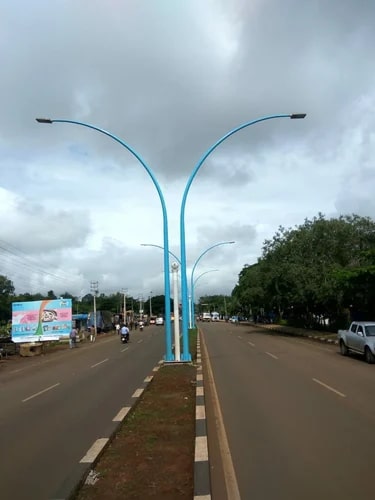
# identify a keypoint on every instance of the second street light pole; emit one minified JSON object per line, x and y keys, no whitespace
{"x":186,"y":356}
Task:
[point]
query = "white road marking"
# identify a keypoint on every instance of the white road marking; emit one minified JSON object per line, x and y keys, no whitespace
{"x":272,"y":355}
{"x":200,"y":376}
{"x":155,"y":369}
{"x":148,"y":379}
{"x":100,"y":362}
{"x":139,"y":341}
{"x":239,"y":336}
{"x":121,"y":414}
{"x":329,"y":388}
{"x":137,"y":393}
{"x":94,"y":451}
{"x":123,"y":350}
{"x":250,"y":343}
{"x":40,"y":392}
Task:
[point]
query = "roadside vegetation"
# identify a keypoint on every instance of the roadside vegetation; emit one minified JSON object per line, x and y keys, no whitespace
{"x":318,"y":275}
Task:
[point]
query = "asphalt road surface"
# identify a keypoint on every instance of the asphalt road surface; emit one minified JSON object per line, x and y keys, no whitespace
{"x":299,"y":418}
{"x":53,"y":408}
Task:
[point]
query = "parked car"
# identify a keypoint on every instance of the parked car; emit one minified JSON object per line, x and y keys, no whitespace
{"x":360,"y":338}
{"x":159,"y":321}
{"x":233,"y":319}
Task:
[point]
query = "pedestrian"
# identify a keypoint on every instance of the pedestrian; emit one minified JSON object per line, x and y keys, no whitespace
{"x":92,"y":333}
{"x":117,"y":328}
{"x":73,"y":338}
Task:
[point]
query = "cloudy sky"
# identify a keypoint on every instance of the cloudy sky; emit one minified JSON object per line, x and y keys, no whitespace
{"x":170,"y":77}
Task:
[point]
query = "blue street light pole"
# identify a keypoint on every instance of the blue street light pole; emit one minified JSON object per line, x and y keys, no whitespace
{"x":186,"y":356}
{"x":192,"y":293}
{"x":167,"y":288}
{"x":192,"y":276}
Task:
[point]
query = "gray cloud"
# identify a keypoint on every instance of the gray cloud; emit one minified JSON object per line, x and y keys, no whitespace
{"x":172,"y":78}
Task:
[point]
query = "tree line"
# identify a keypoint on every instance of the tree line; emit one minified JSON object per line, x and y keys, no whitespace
{"x":320,"y":274}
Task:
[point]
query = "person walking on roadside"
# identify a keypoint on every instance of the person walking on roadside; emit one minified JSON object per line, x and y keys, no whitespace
{"x":92,"y":333}
{"x":73,"y":338}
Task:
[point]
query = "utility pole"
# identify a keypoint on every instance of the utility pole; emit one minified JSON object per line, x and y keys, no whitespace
{"x":94,"y":285}
{"x":150,"y":304}
{"x":125,"y":291}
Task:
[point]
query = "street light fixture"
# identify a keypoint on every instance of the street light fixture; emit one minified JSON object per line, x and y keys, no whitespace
{"x":192,"y":295}
{"x":167,"y":288}
{"x":191,"y":311}
{"x":186,"y":356}
{"x":159,"y":246}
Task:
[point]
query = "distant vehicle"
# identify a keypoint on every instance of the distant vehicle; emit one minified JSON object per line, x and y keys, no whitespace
{"x":152,"y":320}
{"x":215,"y":316}
{"x":159,"y":321}
{"x":206,"y":316}
{"x":233,"y":319}
{"x":360,"y":338}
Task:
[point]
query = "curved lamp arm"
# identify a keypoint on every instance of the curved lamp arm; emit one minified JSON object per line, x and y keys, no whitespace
{"x":159,"y":246}
{"x":167,"y":288}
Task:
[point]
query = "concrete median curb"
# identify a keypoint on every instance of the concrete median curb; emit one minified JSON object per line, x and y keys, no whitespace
{"x":202,"y":482}
{"x":84,"y":469}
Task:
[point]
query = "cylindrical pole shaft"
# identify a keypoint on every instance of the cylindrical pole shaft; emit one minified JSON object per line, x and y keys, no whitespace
{"x":177,"y":353}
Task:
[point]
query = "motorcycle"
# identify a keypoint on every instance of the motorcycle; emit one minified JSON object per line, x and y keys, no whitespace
{"x":124,"y":338}
{"x":141,"y":326}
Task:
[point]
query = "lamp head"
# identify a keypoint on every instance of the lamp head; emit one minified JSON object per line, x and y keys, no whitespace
{"x":43,"y":120}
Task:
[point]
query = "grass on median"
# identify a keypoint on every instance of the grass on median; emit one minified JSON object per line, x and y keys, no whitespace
{"x":152,"y":455}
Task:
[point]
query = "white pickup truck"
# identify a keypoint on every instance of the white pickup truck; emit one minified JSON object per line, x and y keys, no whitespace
{"x":360,"y":338}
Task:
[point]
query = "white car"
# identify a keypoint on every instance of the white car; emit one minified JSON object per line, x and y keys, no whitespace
{"x":159,"y":321}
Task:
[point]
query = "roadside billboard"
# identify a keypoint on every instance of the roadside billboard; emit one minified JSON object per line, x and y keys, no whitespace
{"x":41,"y":320}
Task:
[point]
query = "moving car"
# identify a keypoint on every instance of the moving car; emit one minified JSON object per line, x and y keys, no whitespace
{"x":159,"y":321}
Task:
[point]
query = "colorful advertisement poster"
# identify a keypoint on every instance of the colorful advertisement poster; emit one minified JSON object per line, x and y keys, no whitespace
{"x":41,"y":320}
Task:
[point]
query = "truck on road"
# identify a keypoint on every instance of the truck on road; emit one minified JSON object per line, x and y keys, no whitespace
{"x":360,"y":338}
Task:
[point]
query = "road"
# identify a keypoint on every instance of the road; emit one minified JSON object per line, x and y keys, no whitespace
{"x":299,"y":418}
{"x":54,"y":408}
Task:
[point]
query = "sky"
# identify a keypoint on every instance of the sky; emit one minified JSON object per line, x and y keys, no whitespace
{"x":170,"y":78}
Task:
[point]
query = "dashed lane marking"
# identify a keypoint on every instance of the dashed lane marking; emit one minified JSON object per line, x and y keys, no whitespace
{"x":100,"y":362}
{"x":272,"y":355}
{"x":40,"y":392}
{"x":329,"y":388}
